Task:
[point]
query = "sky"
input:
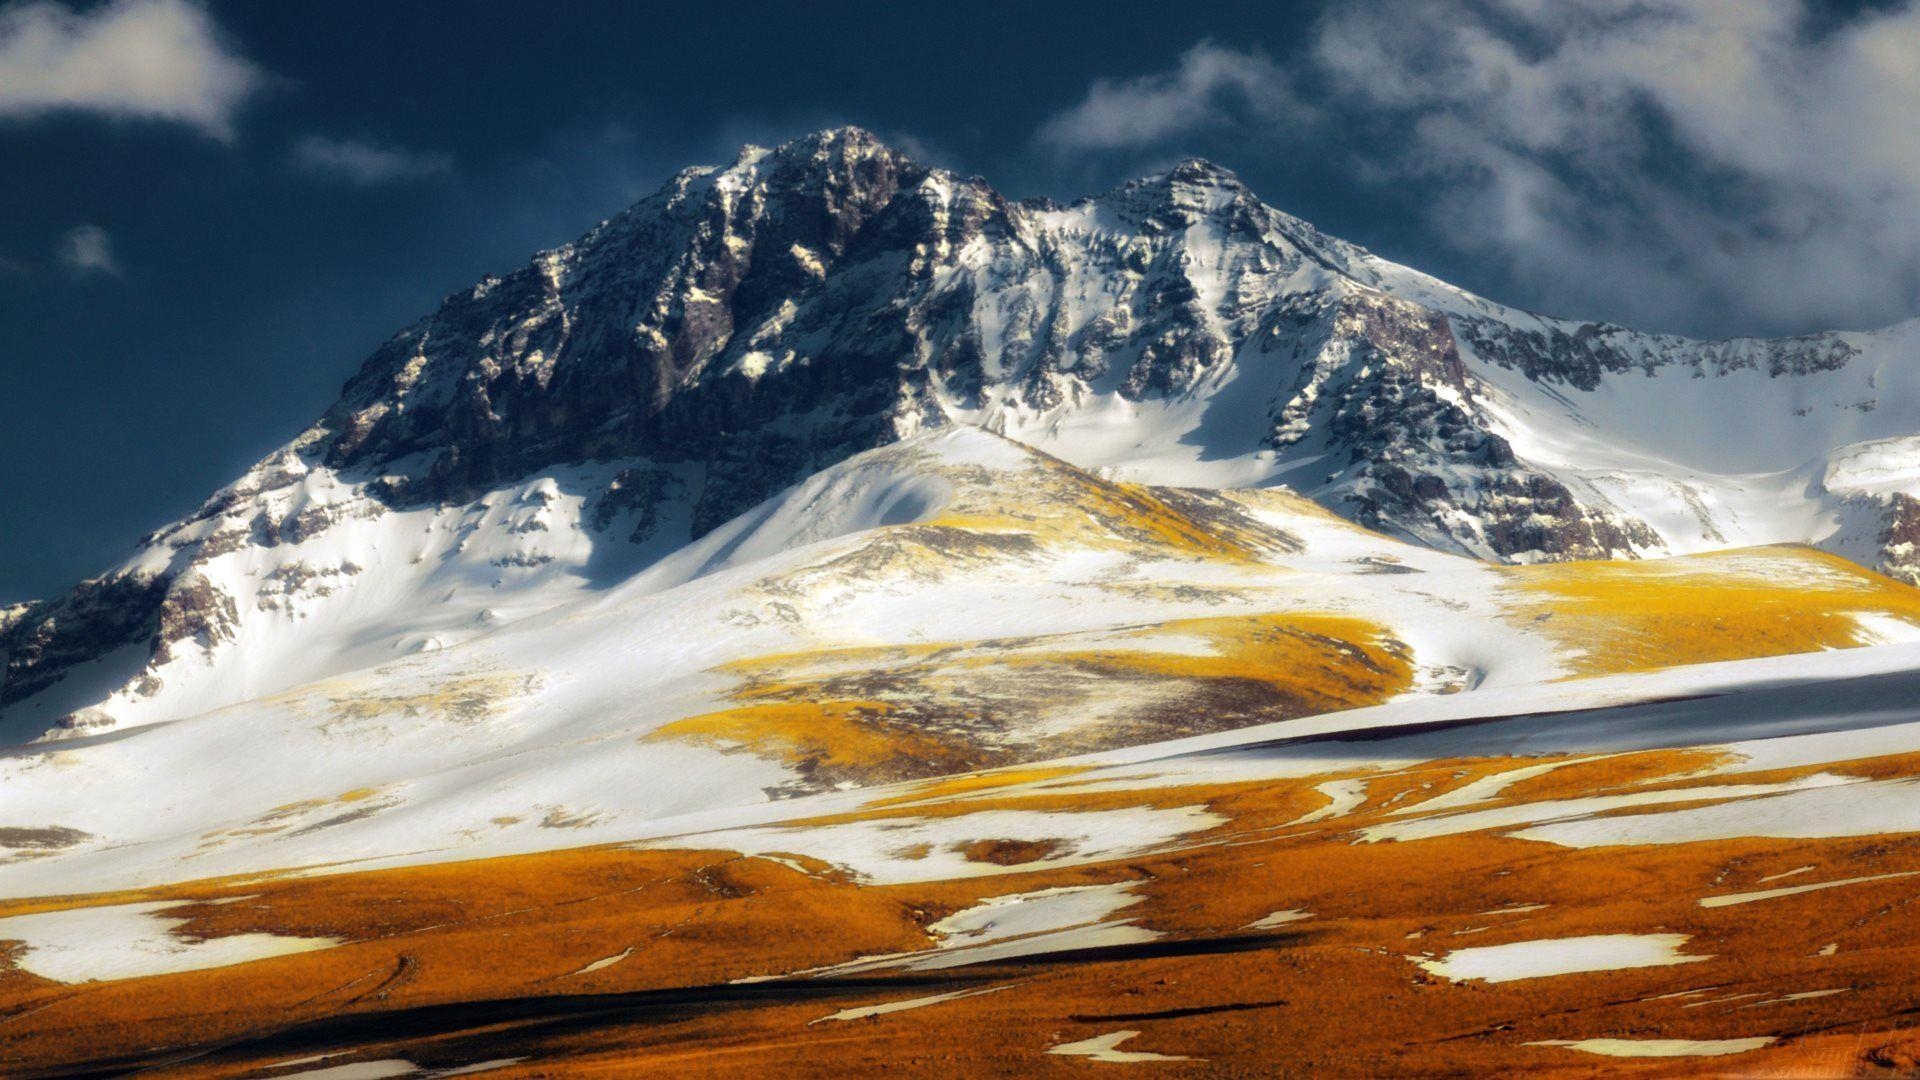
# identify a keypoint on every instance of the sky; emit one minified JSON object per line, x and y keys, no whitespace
{"x":216,"y":210}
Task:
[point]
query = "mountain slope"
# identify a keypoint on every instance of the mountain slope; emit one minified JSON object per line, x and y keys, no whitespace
{"x":547,"y":434}
{"x":832,"y":615}
{"x":951,"y":602}
{"x":1704,"y":861}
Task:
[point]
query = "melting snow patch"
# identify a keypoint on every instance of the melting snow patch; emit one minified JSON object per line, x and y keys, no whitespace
{"x":1804,"y":995}
{"x":479,"y":1067}
{"x":794,"y":865}
{"x":604,"y":962}
{"x":1101,"y":1048}
{"x":381,"y":1070}
{"x":358,"y":1070}
{"x":870,"y":848}
{"x":1020,"y":924}
{"x":1560,"y":956}
{"x":1875,"y":628}
{"x":1278,"y":918}
{"x":1719,"y":1000}
{"x":125,"y":941}
{"x":1032,"y":924}
{"x":1680,"y":994}
{"x":998,"y":918}
{"x":1487,"y":788}
{"x":1794,"y":890}
{"x":1569,"y":822}
{"x":1346,"y":796}
{"x":1660,"y":1047}
{"x":1819,"y":807}
{"x":865,"y":1011}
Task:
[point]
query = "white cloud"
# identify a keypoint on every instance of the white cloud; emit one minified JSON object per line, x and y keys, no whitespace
{"x":1704,"y":165}
{"x":366,"y":163}
{"x":87,"y":251}
{"x":146,"y":59}
{"x":1212,"y":84}
{"x":1684,"y":162}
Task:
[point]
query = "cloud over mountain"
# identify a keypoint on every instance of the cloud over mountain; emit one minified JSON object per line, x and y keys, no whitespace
{"x":1701,"y":166}
{"x":1211,"y":85}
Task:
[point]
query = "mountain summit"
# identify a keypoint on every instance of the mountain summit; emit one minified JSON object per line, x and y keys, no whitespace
{"x":558,"y":429}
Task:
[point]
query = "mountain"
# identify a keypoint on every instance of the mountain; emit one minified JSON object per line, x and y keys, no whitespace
{"x":832,"y":618}
{"x":548,"y":434}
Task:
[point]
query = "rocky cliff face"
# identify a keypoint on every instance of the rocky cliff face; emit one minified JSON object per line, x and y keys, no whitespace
{"x":751,"y":324}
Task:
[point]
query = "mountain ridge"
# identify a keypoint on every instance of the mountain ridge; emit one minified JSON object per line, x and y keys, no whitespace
{"x":750,"y":324}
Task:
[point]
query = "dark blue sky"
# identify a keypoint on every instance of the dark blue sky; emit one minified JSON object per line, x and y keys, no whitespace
{"x":179,"y":295}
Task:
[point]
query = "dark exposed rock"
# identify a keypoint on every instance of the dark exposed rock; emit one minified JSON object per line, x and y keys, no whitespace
{"x":1900,"y":539}
{"x":302,"y":579}
{"x":544,"y":365}
{"x":308,"y":523}
{"x":193,"y":611}
{"x":639,"y":492}
{"x":98,"y":617}
{"x":41,"y":838}
{"x":1582,"y":355}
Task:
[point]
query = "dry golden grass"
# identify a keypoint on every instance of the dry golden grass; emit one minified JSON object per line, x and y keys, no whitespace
{"x":977,"y":783}
{"x":1322,"y":662}
{"x":454,"y":964}
{"x":1331,"y":995}
{"x":879,"y":714}
{"x":841,"y":739}
{"x":1729,"y":605}
{"x":1059,"y":503}
{"x":1613,"y":772}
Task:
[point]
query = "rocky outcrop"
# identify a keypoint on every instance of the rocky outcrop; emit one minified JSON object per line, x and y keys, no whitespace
{"x":48,"y":639}
{"x":1900,"y":539}
{"x":616,"y":346}
{"x":1582,"y":354}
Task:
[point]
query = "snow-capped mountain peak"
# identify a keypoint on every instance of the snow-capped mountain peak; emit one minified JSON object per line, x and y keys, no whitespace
{"x":553,"y":430}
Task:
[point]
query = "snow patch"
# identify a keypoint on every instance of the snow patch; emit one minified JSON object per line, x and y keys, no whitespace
{"x":1730,"y":899}
{"x":1101,"y":1048}
{"x":1560,"y":956}
{"x":126,"y":941}
{"x":865,"y":1011}
{"x":1660,"y":1048}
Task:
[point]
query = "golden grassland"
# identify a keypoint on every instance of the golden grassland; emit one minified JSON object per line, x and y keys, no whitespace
{"x":1728,"y":605}
{"x":838,"y":738}
{"x":1317,"y":663}
{"x":448,"y":965}
{"x":867,"y":714}
{"x":454,"y":964}
{"x":1059,"y":502}
{"x":951,"y":787}
{"x":878,"y":714}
